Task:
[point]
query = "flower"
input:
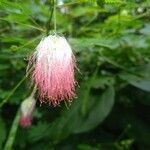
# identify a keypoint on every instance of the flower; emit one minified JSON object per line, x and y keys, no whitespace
{"x":53,"y":66}
{"x":27,"y":107}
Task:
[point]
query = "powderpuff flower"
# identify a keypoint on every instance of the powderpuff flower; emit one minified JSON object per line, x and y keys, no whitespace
{"x":27,"y":107}
{"x":53,"y":65}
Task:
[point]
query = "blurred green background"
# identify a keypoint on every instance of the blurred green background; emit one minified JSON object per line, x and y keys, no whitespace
{"x":111,"y":41}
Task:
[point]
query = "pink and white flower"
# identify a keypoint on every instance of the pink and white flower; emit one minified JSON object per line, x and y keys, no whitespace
{"x":53,"y":65}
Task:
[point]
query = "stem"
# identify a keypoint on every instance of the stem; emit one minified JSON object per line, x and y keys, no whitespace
{"x":123,"y":133}
{"x":54,"y":2}
{"x":13,"y":131}
{"x":13,"y":90}
{"x":30,"y":42}
{"x":34,"y":21}
{"x":52,"y":14}
{"x":50,"y":18}
{"x":34,"y":91}
{"x":28,"y":25}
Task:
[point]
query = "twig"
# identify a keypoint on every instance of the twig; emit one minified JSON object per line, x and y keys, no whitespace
{"x":28,"y":25}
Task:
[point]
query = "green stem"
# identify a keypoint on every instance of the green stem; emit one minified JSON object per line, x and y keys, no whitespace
{"x":13,"y":131}
{"x":28,"y":25}
{"x":52,"y":14}
{"x":15,"y":88}
{"x":29,"y":43}
{"x":54,"y":2}
{"x":34,"y":91}
{"x":12,"y":92}
{"x":34,"y":21}
{"x":123,"y":133}
{"x":50,"y":18}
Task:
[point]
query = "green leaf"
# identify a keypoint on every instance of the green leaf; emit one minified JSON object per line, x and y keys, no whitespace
{"x":84,"y":43}
{"x":86,"y":93}
{"x":81,"y":11}
{"x":146,"y":29}
{"x":86,"y":147}
{"x":139,"y":82}
{"x":3,"y":67}
{"x":102,"y":82}
{"x":36,"y":132}
{"x":72,"y":121}
{"x":99,"y":111}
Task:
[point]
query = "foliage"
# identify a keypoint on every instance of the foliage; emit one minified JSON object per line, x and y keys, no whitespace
{"x":111,"y":40}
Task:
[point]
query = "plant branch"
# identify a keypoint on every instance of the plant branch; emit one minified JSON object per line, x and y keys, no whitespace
{"x":13,"y":131}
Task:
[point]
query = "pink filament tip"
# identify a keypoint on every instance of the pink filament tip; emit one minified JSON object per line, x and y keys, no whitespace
{"x":25,"y":121}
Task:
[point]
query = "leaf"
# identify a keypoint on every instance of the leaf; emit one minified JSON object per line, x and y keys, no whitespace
{"x":146,"y":29}
{"x":113,"y":1}
{"x":86,"y":93}
{"x":84,"y":43}
{"x":81,"y":11}
{"x":86,"y":147}
{"x":71,"y":121}
{"x":136,"y":81}
{"x":36,"y":132}
{"x":3,"y":67}
{"x":98,"y":112}
{"x":102,"y":82}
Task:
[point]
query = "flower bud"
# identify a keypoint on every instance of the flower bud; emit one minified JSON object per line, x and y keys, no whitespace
{"x":27,"y":107}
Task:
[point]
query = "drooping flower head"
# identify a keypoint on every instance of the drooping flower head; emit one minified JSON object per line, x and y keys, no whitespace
{"x":53,"y":66}
{"x":27,"y":107}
